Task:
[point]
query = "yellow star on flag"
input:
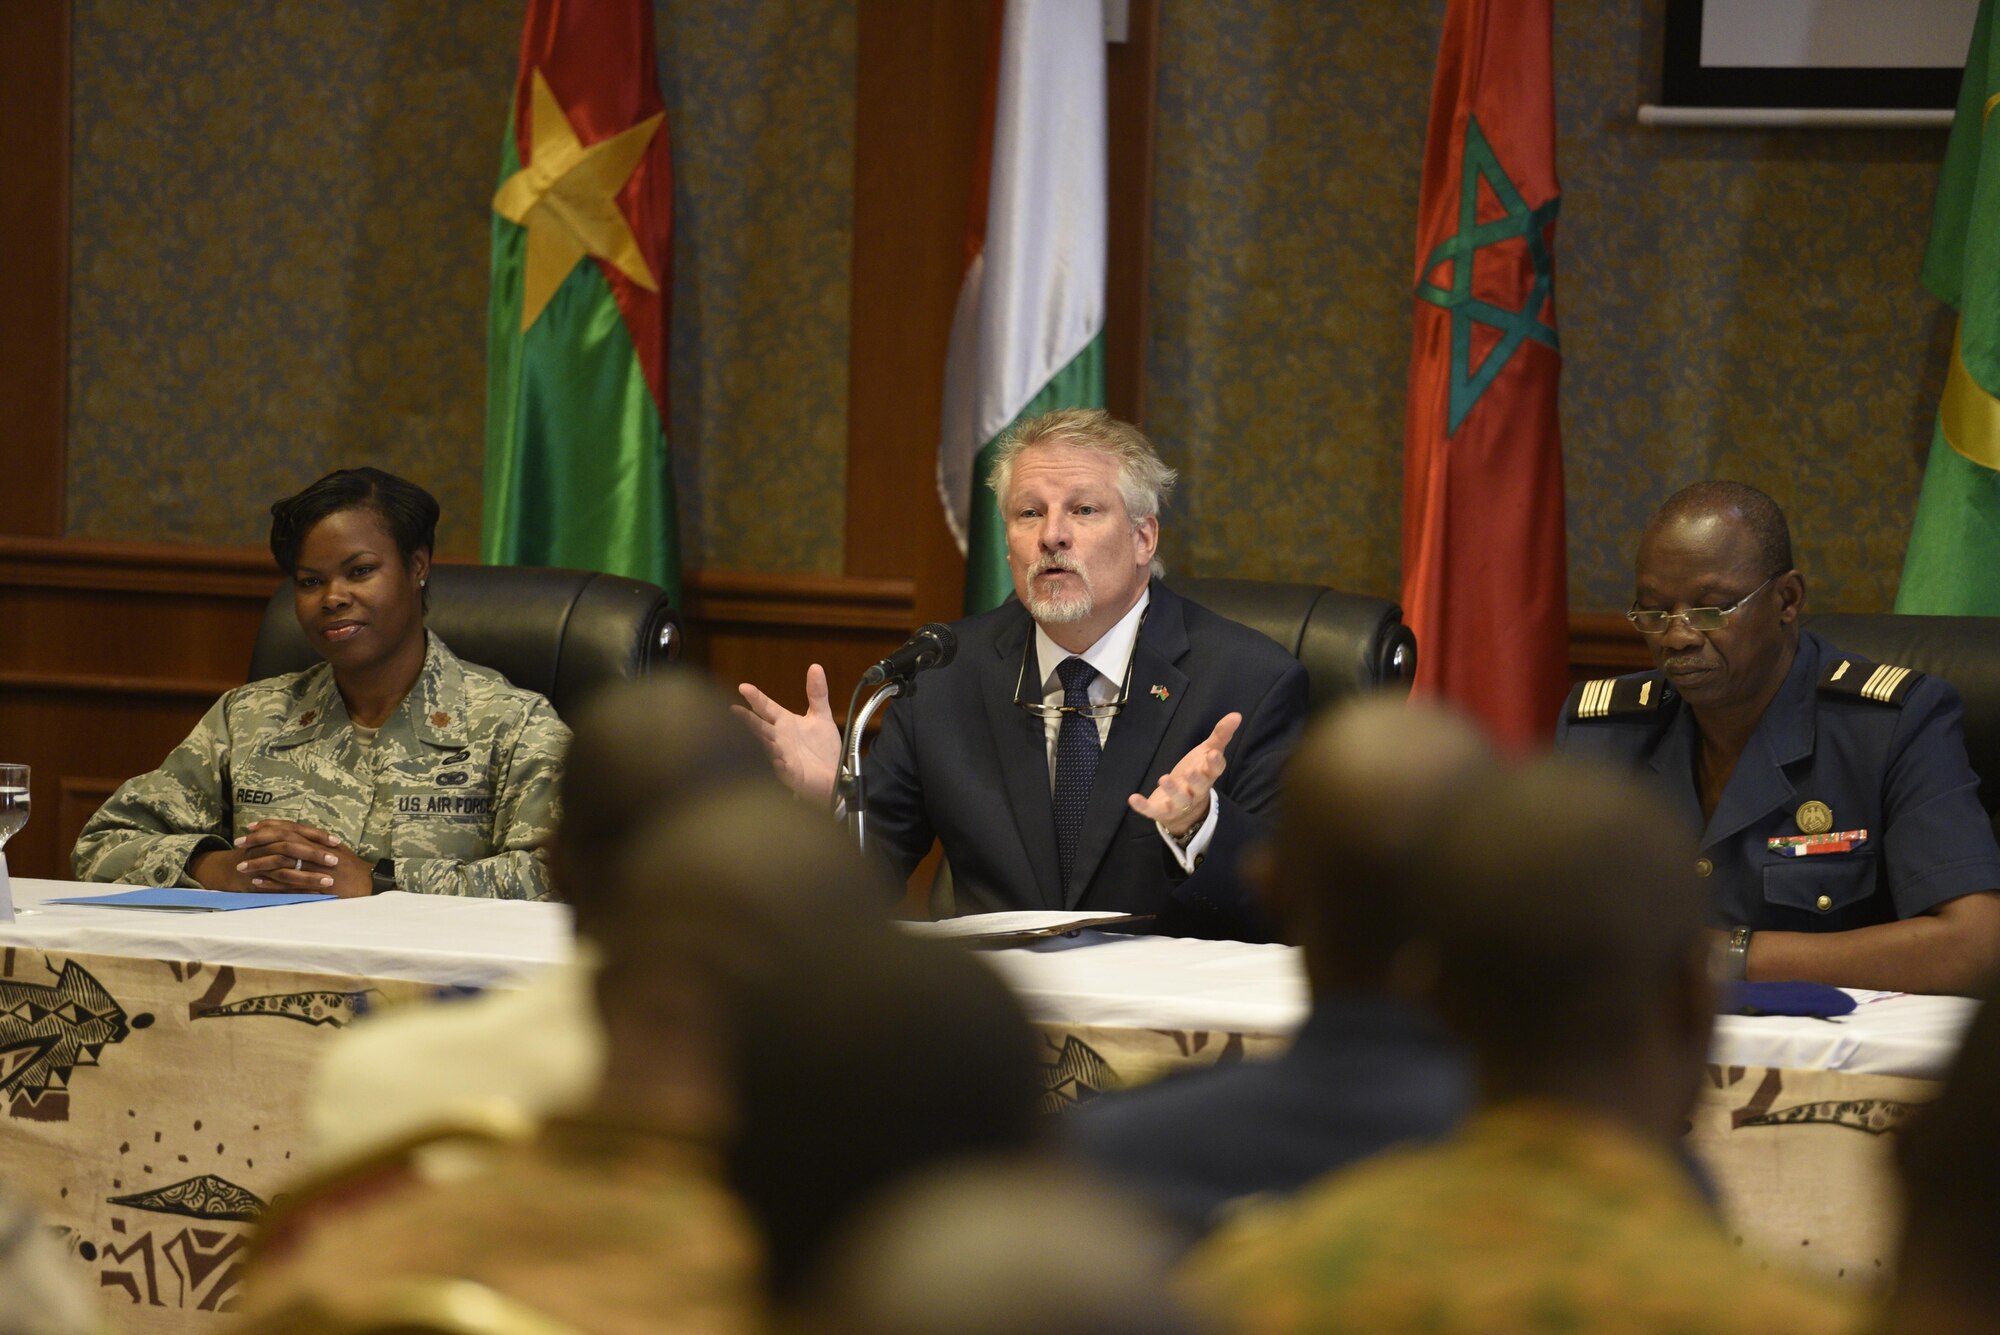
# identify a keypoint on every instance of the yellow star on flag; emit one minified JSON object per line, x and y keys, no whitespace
{"x":567,"y":198}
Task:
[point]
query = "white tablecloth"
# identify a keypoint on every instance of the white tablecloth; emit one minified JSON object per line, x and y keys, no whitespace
{"x":1168,"y":983}
{"x":1095,"y":979}
{"x":423,"y":938}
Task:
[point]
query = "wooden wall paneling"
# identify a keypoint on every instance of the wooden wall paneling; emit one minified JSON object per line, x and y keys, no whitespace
{"x":1131,"y":78}
{"x":919,"y":73}
{"x":1603,"y":644}
{"x":113,"y":650}
{"x":34,"y":262}
{"x":765,"y":629}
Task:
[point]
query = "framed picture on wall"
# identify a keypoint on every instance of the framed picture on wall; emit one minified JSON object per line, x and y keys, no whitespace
{"x":1815,"y":53}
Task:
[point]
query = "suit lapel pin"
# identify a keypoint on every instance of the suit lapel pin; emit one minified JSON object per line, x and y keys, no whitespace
{"x":1159,"y":692}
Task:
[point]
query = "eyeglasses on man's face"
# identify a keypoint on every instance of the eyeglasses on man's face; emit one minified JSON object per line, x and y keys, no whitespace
{"x":1703,"y":619}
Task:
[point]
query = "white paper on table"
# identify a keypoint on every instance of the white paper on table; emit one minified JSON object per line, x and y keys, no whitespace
{"x":1019,"y":923}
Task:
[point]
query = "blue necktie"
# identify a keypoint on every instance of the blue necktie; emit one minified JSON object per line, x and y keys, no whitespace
{"x":1077,"y":750}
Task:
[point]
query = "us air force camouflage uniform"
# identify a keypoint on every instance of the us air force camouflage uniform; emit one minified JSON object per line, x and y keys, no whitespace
{"x":459,"y":787}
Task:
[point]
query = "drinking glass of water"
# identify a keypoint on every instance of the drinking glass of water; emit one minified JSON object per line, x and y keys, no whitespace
{"x":13,"y":801}
{"x":13,"y":815}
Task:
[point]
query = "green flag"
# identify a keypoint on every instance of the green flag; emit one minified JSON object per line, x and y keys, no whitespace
{"x":577,"y":472}
{"x":1953,"y":562}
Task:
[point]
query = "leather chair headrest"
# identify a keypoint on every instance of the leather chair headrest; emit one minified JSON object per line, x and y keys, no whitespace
{"x":1348,"y":642}
{"x":1964,"y":651}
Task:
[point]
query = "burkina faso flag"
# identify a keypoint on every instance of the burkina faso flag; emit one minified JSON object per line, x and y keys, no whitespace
{"x":576,"y":386}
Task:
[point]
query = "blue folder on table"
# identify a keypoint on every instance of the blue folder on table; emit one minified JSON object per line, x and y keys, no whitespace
{"x":175,"y":900}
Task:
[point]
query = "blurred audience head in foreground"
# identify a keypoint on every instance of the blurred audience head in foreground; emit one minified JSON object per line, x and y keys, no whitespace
{"x":775,"y":1056}
{"x":1366,"y":792}
{"x":1018,"y":1245}
{"x":642,"y":750}
{"x":1368,"y":788}
{"x":1567,"y":934}
{"x":853,"y":1055}
{"x":1571,"y":944}
{"x":1947,"y":1282}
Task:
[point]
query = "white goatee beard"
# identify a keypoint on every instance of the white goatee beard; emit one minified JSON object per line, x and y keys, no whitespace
{"x":1061,"y":609}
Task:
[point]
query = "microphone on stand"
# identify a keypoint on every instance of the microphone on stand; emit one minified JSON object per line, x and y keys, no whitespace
{"x":932,"y":646}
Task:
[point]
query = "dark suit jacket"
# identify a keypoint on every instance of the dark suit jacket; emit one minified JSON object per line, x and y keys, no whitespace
{"x":1364,"y":1074}
{"x":961,"y":763}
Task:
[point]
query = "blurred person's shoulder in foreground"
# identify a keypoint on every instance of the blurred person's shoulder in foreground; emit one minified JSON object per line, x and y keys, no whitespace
{"x":641,"y":751}
{"x":1571,"y":956}
{"x":1368,"y":785}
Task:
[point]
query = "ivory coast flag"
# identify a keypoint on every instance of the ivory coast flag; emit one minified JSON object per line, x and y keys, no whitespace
{"x":1485,"y":566}
{"x":1028,"y":332}
{"x":1952,"y":565}
{"x":576,"y":379}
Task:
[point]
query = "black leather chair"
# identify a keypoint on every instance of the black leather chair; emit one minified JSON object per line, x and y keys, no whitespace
{"x":1349,"y":643}
{"x":1965,"y":651}
{"x":562,"y":633}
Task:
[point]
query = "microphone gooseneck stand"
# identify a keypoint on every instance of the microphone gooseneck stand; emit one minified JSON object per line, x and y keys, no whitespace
{"x":849,"y":788}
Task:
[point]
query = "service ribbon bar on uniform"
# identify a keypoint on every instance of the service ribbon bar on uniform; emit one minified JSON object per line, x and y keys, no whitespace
{"x":1807,"y":845}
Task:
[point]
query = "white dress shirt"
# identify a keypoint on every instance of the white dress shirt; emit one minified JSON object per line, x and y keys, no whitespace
{"x":1112,"y":656}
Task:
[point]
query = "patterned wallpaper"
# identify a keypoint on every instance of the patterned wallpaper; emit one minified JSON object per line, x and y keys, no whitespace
{"x":1732,"y":303}
{"x":279,"y":237}
{"x":279,"y":266}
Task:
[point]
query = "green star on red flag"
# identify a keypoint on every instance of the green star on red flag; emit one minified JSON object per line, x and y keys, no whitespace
{"x":1460,"y":252}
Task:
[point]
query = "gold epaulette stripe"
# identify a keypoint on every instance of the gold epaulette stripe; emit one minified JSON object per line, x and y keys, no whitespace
{"x":1840,"y":671}
{"x":1882,"y":683}
{"x":1595,"y":702}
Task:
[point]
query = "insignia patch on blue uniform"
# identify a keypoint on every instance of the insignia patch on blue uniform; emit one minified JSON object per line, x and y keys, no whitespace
{"x":1884,"y":683}
{"x":1611,"y":697}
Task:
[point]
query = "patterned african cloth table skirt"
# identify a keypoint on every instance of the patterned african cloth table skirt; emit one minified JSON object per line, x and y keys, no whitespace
{"x":155,"y":1066}
{"x":155,"y":1070}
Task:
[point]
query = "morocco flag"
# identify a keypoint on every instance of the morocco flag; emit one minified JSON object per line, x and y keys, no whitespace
{"x":1952,"y":565}
{"x":1028,"y":334}
{"x":576,"y":377}
{"x":1485,"y":580}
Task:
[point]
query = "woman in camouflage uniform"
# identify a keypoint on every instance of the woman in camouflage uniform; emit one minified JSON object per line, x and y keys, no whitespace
{"x":391,"y":766}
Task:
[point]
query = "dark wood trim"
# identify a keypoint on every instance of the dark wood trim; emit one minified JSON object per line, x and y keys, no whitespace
{"x":140,"y":567}
{"x":918,"y":77}
{"x":712,"y":596}
{"x":144,"y":688}
{"x":1602,"y":643}
{"x":34,"y":277}
{"x":843,"y":601}
{"x":1132,"y":70}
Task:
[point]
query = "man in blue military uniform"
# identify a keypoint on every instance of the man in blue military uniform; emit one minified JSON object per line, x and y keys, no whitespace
{"x":1841,"y":824}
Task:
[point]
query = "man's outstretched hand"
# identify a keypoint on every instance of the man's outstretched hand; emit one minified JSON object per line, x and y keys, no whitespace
{"x":805,"y":748}
{"x":1180,"y":803}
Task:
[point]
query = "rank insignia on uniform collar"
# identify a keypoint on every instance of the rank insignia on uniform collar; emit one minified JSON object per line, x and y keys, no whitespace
{"x":308,"y":718}
{"x":1159,"y":692}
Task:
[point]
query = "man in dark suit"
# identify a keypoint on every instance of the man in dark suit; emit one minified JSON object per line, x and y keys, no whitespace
{"x":1370,"y":787}
{"x":1098,"y":742}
